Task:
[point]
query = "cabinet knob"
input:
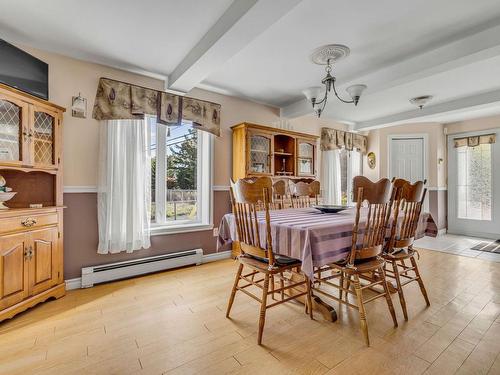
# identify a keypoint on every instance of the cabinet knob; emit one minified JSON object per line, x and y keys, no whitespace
{"x":28,"y":222}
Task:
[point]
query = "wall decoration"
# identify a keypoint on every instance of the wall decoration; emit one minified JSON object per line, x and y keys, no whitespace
{"x":79,"y":106}
{"x":371,"y":160}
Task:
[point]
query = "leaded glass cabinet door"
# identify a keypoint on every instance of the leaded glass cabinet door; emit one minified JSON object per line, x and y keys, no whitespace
{"x":43,"y":138}
{"x":13,"y":124}
{"x":305,"y":158}
{"x":260,"y":151}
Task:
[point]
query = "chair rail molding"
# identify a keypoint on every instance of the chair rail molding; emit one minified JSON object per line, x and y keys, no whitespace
{"x":80,"y":189}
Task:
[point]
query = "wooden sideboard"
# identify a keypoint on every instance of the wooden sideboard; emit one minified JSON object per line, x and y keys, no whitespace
{"x":31,"y":239}
{"x":265,"y":151}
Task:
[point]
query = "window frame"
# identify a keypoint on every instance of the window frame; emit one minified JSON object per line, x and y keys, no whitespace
{"x":204,"y":221}
{"x":350,"y":173}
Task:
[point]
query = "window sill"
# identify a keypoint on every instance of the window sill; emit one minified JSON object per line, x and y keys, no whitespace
{"x":158,"y":230}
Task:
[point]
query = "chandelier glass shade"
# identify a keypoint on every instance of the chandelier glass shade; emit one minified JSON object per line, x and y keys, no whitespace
{"x":318,"y":95}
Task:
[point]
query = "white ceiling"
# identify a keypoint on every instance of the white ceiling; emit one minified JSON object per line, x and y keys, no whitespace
{"x":149,"y":35}
{"x":259,"y":49}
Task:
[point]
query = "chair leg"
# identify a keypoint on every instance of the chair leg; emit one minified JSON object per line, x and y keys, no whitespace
{"x":361,"y":308}
{"x":388,"y":297}
{"x":420,"y":281}
{"x":263,"y":307}
{"x":400,"y":289}
{"x":347,"y":287}
{"x":282,"y":285}
{"x":272,"y":286}
{"x":309,"y":304}
{"x":341,"y":285}
{"x":233,"y":292}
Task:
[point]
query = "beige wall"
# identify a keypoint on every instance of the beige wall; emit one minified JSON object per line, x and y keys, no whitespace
{"x":485,"y":123}
{"x":68,"y":77}
{"x":378,"y":143}
{"x":373,"y":146}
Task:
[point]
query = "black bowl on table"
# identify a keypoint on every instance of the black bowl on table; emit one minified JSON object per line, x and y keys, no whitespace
{"x":330,"y":208}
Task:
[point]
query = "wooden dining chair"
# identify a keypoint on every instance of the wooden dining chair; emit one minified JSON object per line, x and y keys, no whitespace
{"x":305,"y":194}
{"x":399,"y":249}
{"x":254,"y":235}
{"x":368,"y":187}
{"x":267,"y":182}
{"x":364,"y":258}
{"x":281,"y":194}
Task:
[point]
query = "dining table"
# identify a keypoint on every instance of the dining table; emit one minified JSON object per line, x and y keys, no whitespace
{"x":314,"y":237}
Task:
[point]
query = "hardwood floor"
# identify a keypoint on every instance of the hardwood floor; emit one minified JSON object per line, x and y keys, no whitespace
{"x":174,"y":322}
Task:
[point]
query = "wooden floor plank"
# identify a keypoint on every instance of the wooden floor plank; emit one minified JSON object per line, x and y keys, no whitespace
{"x":174,"y":323}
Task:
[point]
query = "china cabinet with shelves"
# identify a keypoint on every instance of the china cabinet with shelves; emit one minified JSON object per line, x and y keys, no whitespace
{"x":265,"y":151}
{"x":31,"y":239}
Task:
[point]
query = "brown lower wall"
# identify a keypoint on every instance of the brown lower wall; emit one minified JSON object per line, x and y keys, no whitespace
{"x":438,"y":207}
{"x":81,"y":235}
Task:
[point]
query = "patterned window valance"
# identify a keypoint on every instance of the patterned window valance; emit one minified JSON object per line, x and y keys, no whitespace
{"x":332,"y":139}
{"x":117,"y":100}
{"x":475,"y":140}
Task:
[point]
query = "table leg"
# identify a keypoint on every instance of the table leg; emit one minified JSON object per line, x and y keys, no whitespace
{"x":327,"y":311}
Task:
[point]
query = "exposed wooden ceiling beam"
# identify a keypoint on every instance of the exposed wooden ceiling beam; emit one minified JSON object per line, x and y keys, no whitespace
{"x":242,"y":22}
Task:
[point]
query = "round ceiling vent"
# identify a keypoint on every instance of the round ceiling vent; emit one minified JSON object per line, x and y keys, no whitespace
{"x":330,"y":52}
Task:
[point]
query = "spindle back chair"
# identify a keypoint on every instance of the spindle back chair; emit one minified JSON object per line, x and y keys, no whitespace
{"x":305,"y":194}
{"x":364,"y":259}
{"x":281,"y":194}
{"x":405,"y":219}
{"x":251,"y":209}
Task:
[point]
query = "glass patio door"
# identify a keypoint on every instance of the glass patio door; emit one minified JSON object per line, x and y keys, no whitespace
{"x":474,"y":185}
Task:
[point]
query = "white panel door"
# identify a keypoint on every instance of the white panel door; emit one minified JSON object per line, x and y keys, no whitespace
{"x":474,"y":187}
{"x":407,"y":159}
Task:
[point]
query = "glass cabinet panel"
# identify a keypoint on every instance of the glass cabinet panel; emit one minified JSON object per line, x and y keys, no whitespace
{"x":260,"y":154}
{"x":10,"y":131}
{"x":305,"y":159}
{"x":43,"y":138}
{"x":306,"y":150}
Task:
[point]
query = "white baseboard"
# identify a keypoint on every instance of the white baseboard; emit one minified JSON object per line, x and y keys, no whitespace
{"x":76,"y":283}
{"x":442,"y":232}
{"x":216,"y":256}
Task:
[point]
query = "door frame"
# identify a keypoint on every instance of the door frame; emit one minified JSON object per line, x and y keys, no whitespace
{"x":423,"y":136}
{"x":452,"y":206}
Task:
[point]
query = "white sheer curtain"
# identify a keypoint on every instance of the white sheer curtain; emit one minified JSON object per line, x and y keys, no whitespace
{"x":124,"y":186}
{"x":330,"y":177}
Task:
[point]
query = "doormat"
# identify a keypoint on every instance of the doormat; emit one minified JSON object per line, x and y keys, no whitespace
{"x":490,"y":247}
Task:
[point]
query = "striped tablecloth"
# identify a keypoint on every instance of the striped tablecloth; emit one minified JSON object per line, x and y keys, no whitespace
{"x":313,"y":237}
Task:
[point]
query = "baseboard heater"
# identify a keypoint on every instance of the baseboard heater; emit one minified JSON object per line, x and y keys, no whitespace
{"x":129,"y":268}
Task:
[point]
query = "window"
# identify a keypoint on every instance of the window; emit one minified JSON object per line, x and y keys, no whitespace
{"x":181,"y":169}
{"x":350,"y":167}
{"x":474,"y":182}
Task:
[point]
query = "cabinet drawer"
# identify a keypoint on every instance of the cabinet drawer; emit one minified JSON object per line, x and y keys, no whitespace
{"x":26,"y":222}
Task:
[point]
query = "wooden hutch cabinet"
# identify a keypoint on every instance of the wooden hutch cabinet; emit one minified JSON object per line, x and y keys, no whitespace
{"x":265,"y":151}
{"x":31,"y":240}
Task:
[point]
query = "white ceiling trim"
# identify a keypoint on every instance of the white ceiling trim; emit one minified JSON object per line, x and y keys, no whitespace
{"x":472,"y":103}
{"x":473,"y":48}
{"x":242,"y":22}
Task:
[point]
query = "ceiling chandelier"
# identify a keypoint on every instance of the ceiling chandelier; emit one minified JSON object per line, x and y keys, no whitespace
{"x":327,"y":55}
{"x":420,"y":101}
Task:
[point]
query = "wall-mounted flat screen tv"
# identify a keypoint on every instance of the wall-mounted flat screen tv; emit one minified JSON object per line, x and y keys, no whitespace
{"x":23,"y":71}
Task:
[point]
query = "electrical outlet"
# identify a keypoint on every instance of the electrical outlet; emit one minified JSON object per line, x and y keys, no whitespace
{"x":216,"y":232}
